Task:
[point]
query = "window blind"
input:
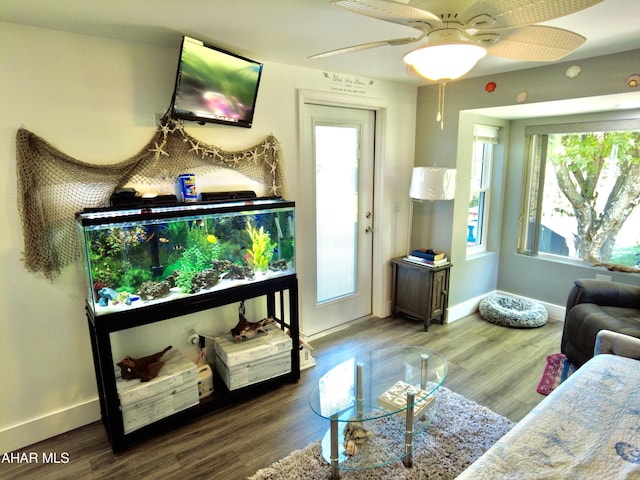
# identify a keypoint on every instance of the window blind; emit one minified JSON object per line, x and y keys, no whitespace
{"x":485,"y":134}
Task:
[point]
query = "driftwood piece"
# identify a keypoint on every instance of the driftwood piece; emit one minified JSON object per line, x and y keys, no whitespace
{"x":144,"y":368}
{"x":246,"y":329}
{"x":614,"y":267}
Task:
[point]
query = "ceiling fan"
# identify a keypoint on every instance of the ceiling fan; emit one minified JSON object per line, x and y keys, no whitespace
{"x":459,"y":33}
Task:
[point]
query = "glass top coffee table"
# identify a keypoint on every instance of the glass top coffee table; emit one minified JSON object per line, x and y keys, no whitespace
{"x":368,"y":400}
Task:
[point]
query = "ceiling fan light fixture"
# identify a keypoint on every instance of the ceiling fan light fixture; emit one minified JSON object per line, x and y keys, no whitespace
{"x":445,"y":61}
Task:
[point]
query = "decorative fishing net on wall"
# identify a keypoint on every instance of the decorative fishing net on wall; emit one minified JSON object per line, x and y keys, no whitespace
{"x":52,"y":186}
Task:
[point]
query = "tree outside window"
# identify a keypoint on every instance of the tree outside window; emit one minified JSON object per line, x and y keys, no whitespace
{"x":583,"y":193}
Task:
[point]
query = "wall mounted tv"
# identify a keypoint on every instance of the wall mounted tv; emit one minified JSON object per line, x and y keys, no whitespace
{"x":213,"y":85}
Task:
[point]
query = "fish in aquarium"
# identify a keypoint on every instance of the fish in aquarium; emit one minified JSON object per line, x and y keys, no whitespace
{"x":154,"y":260}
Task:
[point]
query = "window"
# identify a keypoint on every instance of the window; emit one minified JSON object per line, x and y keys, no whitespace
{"x":485,"y":138}
{"x":582,"y":192}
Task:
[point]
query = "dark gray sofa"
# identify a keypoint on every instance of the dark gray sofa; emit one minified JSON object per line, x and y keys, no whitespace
{"x":595,"y":305}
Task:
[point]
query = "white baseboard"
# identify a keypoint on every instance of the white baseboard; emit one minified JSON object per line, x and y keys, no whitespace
{"x":35,"y":430}
{"x":556,"y":312}
{"x":461,"y":310}
{"x":315,"y":336}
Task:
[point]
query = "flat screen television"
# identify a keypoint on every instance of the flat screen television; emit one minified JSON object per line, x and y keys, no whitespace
{"x":213,"y":85}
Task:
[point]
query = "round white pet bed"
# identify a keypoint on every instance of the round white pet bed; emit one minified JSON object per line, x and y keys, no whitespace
{"x":513,"y":311}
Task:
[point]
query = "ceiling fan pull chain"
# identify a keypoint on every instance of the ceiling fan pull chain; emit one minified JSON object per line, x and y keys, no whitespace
{"x":441,"y":92}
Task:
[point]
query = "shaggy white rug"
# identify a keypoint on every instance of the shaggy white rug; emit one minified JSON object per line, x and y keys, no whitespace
{"x":460,"y":433}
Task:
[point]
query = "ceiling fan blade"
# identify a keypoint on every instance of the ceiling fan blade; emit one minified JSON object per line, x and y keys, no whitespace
{"x":391,"y":11}
{"x":535,"y":43}
{"x":510,"y":14}
{"x":366,"y":46}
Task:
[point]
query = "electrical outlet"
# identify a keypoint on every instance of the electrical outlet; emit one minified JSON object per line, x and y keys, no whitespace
{"x":603,"y":278}
{"x":189,"y":333}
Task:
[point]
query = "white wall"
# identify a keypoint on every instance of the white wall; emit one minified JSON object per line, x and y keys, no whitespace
{"x":95,"y":99}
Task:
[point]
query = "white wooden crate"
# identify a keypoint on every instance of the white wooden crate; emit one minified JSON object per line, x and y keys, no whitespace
{"x":174,"y":389}
{"x":256,"y":348}
{"x":138,"y":414}
{"x":255,"y":360}
{"x":253,"y":372}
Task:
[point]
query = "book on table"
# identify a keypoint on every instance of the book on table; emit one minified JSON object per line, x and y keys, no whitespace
{"x":395,"y":398}
{"x":428,"y":263}
{"x":428,"y":254}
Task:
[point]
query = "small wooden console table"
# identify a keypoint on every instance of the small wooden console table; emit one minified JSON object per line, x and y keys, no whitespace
{"x":419,"y":291}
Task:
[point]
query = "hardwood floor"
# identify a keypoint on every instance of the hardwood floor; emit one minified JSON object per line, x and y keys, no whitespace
{"x":495,"y":366}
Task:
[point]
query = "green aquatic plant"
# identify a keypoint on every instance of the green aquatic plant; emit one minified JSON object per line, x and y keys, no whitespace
{"x":214,"y":247}
{"x":261,"y":252}
{"x":193,"y":261}
{"x":119,"y":257}
{"x":132,"y":277}
{"x":184,"y":280}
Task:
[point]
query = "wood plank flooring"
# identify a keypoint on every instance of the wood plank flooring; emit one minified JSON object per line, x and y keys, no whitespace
{"x":495,"y":366}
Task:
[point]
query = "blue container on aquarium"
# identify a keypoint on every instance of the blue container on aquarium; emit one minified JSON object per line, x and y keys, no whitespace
{"x":152,"y":254}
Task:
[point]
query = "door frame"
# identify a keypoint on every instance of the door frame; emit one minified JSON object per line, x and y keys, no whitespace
{"x":380,"y":107}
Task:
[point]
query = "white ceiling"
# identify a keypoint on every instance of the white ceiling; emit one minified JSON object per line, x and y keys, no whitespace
{"x":288,"y":31}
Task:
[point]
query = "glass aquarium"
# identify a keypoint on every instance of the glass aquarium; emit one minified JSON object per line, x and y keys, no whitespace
{"x":153,"y":254}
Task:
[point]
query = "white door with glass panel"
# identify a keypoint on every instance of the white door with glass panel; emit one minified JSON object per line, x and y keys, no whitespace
{"x":338,"y":173}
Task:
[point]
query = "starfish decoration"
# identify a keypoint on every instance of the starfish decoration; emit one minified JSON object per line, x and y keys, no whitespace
{"x":159,"y":150}
{"x":195,"y":147}
{"x":254,"y":157}
{"x":275,"y":188}
{"x":269,"y":143}
{"x":165,"y":129}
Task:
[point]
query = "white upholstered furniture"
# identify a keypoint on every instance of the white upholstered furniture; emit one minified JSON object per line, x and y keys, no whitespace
{"x":588,"y":427}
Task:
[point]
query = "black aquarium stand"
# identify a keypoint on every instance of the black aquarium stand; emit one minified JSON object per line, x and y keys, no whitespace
{"x":100,"y":327}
